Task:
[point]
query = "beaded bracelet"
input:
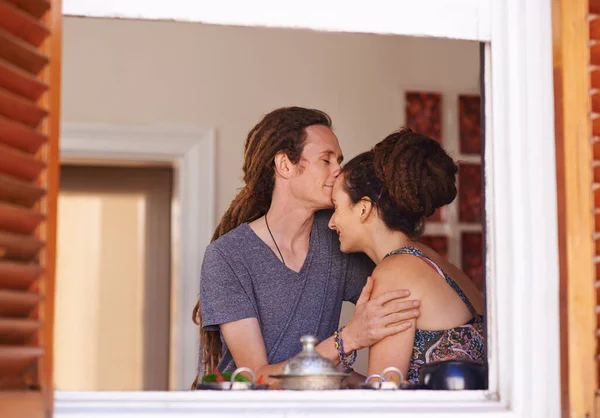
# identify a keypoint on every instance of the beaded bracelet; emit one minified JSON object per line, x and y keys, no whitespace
{"x":339,"y":345}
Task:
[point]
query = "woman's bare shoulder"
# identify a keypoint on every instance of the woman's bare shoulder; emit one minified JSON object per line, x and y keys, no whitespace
{"x":401,"y":271}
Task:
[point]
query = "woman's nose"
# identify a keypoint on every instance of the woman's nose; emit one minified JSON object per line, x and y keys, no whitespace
{"x":332,"y":222}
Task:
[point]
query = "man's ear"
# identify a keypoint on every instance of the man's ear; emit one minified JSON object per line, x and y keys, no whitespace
{"x":283,"y":165}
{"x":366,"y":208}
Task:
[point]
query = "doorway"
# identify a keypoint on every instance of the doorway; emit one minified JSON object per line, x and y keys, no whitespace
{"x":113,"y":278}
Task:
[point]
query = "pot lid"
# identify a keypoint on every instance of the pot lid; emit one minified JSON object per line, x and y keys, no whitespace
{"x":308,"y":361}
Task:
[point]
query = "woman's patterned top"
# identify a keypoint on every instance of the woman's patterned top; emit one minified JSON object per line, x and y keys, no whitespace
{"x":465,"y":342}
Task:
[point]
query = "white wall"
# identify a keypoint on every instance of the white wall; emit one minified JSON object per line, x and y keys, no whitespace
{"x":226,"y":78}
{"x":143,"y":72}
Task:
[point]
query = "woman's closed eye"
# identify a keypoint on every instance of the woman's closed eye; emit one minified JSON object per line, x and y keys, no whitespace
{"x":327,"y":161}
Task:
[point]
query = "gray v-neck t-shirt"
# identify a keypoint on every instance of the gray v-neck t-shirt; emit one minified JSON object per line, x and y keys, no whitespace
{"x":242,"y":278}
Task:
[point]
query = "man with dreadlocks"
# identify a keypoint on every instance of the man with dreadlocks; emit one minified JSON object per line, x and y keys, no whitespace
{"x":274,"y":270}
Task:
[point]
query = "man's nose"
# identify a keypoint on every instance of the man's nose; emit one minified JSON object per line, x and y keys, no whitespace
{"x":337,"y":171}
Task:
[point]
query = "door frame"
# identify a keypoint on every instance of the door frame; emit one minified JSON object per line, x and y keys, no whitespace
{"x":192,"y":153}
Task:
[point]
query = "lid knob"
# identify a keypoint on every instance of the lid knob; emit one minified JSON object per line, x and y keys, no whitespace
{"x":308,"y":342}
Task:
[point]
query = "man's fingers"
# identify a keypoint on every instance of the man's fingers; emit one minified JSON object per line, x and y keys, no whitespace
{"x":408,"y":305}
{"x":395,"y":329}
{"x":365,"y":294}
{"x":394,"y":318}
{"x":391,"y":295}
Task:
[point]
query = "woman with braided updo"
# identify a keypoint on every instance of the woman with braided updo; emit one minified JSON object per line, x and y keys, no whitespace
{"x":381,"y":198}
{"x":274,"y":271}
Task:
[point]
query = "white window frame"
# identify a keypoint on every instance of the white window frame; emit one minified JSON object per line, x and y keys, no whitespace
{"x":521,"y":225}
{"x":191,"y":152}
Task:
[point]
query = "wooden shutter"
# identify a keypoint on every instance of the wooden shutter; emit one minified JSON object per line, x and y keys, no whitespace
{"x":576,"y":39}
{"x":30,"y":48}
{"x":594,"y":92}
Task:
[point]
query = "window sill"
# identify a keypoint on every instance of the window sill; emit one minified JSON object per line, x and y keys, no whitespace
{"x":350,"y":403}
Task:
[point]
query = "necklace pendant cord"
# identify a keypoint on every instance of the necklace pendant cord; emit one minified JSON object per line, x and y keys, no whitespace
{"x":274,"y":242}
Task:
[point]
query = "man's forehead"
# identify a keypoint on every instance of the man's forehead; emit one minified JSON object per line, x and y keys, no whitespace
{"x":321,"y":139}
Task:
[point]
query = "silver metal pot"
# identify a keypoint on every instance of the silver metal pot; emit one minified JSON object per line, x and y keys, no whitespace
{"x":310,"y":371}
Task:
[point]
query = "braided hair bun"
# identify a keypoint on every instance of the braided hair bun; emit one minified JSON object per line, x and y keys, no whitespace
{"x":407,"y":176}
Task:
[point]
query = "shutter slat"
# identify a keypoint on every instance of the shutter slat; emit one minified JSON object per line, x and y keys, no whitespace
{"x":17,"y":247}
{"x":19,"y":220}
{"x":21,"y":54}
{"x":18,"y":276}
{"x":19,"y":192}
{"x":20,"y":82}
{"x":595,"y":117}
{"x":20,"y":136}
{"x":595,"y":96}
{"x":595,"y":76}
{"x":22,"y":24}
{"x":594,"y":27}
{"x":17,"y":331}
{"x":36,"y":8}
{"x":22,"y":110}
{"x":16,"y":304}
{"x":19,"y":164}
{"x":15,"y":362}
{"x":595,"y":52}
{"x":596,"y":148}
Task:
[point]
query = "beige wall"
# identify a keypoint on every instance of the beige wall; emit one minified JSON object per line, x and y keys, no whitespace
{"x":100,"y":284}
{"x":113,"y":279}
{"x":226,"y":78}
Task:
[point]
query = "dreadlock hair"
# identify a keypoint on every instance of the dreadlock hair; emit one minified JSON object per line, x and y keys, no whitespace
{"x":282,"y":130}
{"x":407,"y":176}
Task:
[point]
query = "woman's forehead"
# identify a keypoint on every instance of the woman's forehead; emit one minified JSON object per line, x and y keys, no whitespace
{"x":338,"y":185}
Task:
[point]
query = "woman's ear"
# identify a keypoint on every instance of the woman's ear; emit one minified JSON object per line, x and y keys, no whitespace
{"x":283,"y":165}
{"x":366,"y":208}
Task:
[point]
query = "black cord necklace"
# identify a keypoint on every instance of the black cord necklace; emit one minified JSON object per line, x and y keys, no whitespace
{"x":274,"y":242}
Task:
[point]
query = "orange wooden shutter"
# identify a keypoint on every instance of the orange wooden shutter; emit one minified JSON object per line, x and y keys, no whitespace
{"x":576,"y":44}
{"x":594,"y":91}
{"x":30,"y":48}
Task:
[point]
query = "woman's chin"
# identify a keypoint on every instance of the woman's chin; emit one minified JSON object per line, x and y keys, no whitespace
{"x":344,"y":248}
